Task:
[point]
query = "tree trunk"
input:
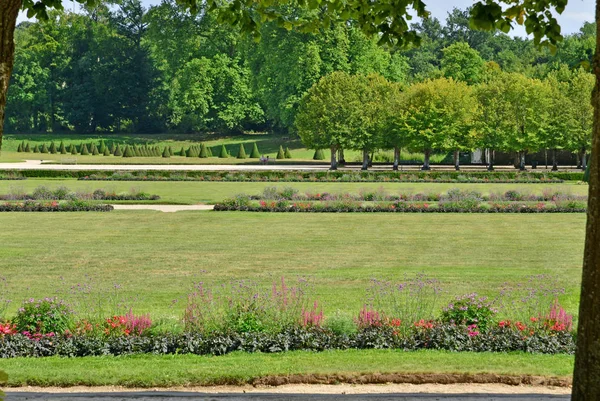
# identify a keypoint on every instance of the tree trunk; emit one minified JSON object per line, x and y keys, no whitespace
{"x":426,"y":161}
{"x":9,"y":9}
{"x":333,"y":160}
{"x":583,"y":159}
{"x":586,"y":385}
{"x":365,"y":165}
{"x":522,"y":160}
{"x":341,"y":157}
{"x":396,"y":158}
{"x":490,"y":160}
{"x":457,"y":160}
{"x":554,"y":163}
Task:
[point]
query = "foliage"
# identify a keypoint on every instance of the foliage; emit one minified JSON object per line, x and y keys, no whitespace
{"x":48,"y":316}
{"x":242,"y":152}
{"x":255,"y":153}
{"x":469,"y":310}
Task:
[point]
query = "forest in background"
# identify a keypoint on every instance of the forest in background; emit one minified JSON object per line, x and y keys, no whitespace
{"x":124,"y":68}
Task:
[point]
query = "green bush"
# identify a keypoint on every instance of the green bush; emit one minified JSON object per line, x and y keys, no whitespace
{"x":128,"y":152}
{"x":341,"y":324}
{"x":44,"y":149}
{"x":52,"y":148}
{"x":36,"y":149}
{"x":242,"y":152}
{"x":106,"y":151}
{"x":118,"y":151}
{"x":319,"y":155}
{"x":182,"y":152}
{"x":255,"y":153}
{"x":281,"y":153}
{"x":62,"y":149}
{"x":102,"y":147}
{"x":20,"y":148}
{"x":166,"y":153}
{"x":203,"y":151}
{"x":223,"y":154}
{"x":95,"y":150}
{"x":113,"y":148}
{"x":44,"y":316}
{"x":84,"y":150}
{"x":189,"y":152}
{"x":287,"y":154}
{"x":469,"y":310}
{"x":209,"y":150}
{"x":73,"y":149}
{"x":27,"y":149}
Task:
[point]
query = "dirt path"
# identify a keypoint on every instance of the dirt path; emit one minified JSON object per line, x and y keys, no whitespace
{"x":321,"y":389}
{"x":164,"y":208}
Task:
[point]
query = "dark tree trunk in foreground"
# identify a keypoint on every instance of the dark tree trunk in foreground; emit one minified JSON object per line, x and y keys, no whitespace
{"x":586,"y":378}
{"x":9,"y":9}
{"x":333,"y":160}
{"x":426,"y":161}
{"x":490,"y":159}
{"x":396,"y":158}
{"x":554,"y":163}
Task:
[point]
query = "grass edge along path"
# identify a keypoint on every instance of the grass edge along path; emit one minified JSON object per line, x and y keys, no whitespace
{"x":354,"y":366}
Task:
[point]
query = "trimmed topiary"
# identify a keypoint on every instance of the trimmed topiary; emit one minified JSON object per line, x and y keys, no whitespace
{"x":95,"y":151}
{"x":44,"y":149}
{"x":19,"y":148}
{"x":27,"y":149}
{"x":182,"y":152}
{"x":36,"y":149}
{"x":73,"y":149}
{"x":84,"y":150}
{"x":223,"y":154}
{"x":287,"y":154}
{"x":255,"y":153}
{"x":113,"y":148}
{"x":128,"y":152}
{"x":62,"y":149}
{"x":203,"y":152}
{"x":102,"y":147}
{"x":171,"y":153}
{"x":106,"y":151}
{"x":52,"y":148}
{"x":209,"y":151}
{"x":281,"y":153}
{"x":242,"y":152}
{"x":118,"y":151}
{"x":166,"y":153}
{"x":319,"y":155}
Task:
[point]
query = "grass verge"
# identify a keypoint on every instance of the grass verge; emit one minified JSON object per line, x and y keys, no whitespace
{"x":241,"y":368}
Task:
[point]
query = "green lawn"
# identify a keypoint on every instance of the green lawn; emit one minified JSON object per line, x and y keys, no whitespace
{"x":211,"y":192}
{"x":240,"y":368}
{"x":267,"y":145}
{"x":157,"y":256}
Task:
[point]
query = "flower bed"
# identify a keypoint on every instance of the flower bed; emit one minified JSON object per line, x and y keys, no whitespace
{"x":454,"y":201}
{"x":246,"y":317}
{"x":54,"y":206}
{"x":63,"y":193}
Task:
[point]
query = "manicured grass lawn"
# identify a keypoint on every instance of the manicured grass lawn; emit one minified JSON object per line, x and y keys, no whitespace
{"x":212,"y":192}
{"x":239,"y":368}
{"x":267,"y":145}
{"x":157,"y":256}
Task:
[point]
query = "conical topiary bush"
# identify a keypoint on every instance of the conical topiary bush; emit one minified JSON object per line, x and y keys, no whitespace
{"x":287,"y":153}
{"x":319,"y":155}
{"x":27,"y":148}
{"x":62,"y":149}
{"x":242,"y":152}
{"x":255,"y":153}
{"x":182,"y":152}
{"x":20,"y":148}
{"x":223,"y":154}
{"x":73,"y":149}
{"x":171,"y":153}
{"x":36,"y":149}
{"x":281,"y":153}
{"x":95,"y":151}
{"x":128,"y":152}
{"x":44,"y":149}
{"x":113,"y":148}
{"x":166,"y":153}
{"x":209,"y":151}
{"x":203,"y":152}
{"x":84,"y":150}
{"x":102,"y":147}
{"x":118,"y":151}
{"x":52,"y":148}
{"x":106,"y":151}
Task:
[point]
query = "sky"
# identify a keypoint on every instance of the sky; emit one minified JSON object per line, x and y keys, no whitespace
{"x":575,"y":14}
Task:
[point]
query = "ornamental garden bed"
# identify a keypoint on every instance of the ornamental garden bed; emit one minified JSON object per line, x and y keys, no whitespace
{"x":63,"y":193}
{"x":54,"y":206}
{"x":243,"y":316}
{"x":454,"y":201}
{"x":304,"y":176}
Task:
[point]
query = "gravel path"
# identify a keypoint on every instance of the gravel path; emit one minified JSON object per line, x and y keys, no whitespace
{"x":164,"y":208}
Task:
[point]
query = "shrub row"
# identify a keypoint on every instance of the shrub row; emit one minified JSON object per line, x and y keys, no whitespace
{"x":443,"y":337}
{"x":309,"y":176}
{"x":71,"y":206}
{"x":63,"y":193}
{"x":394,"y":208}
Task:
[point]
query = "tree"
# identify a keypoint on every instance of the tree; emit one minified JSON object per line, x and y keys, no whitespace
{"x":330,"y":112}
{"x":462,"y":63}
{"x":440,"y":115}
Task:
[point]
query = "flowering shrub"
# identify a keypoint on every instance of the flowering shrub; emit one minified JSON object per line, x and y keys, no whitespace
{"x":7,"y":328}
{"x":126,"y":325}
{"x":312,"y":317}
{"x":557,"y":319}
{"x":45,"y":316}
{"x":469,"y":310}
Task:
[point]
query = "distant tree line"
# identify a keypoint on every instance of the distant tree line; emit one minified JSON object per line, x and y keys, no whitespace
{"x":124,"y":68}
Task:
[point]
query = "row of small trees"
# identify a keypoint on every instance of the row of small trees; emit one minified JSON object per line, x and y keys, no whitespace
{"x":506,"y":112}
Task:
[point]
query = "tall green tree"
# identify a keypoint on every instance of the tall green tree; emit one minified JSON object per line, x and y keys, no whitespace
{"x":462,"y":63}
